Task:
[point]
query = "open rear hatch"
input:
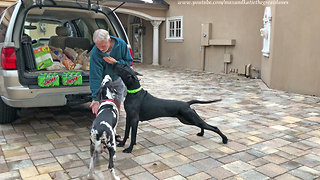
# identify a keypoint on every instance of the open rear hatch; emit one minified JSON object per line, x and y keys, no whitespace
{"x":59,"y":31}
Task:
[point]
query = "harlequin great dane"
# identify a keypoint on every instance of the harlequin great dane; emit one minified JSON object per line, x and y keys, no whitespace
{"x":142,"y":106}
{"x":103,"y":130}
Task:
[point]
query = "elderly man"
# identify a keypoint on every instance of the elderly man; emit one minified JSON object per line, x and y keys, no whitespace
{"x":107,"y":50}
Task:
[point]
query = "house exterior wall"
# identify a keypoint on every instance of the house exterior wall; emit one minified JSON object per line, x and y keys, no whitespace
{"x":294,"y":63}
{"x":239,"y":22}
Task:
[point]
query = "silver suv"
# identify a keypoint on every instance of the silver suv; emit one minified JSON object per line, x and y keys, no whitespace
{"x":33,"y":21}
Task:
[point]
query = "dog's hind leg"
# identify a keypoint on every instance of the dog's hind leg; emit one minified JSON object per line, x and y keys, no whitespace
{"x":201,"y":133}
{"x":93,"y":157}
{"x":111,"y":165}
{"x":193,"y":118}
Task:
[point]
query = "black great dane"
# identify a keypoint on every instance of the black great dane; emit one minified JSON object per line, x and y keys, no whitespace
{"x":142,"y":106}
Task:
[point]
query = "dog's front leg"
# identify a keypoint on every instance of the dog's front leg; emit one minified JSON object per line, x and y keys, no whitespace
{"x":93,"y":157}
{"x":134,"y":125}
{"x":111,"y":166}
{"x":126,"y":132}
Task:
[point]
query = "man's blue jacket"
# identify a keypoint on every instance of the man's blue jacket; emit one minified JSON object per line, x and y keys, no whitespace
{"x":99,"y":68}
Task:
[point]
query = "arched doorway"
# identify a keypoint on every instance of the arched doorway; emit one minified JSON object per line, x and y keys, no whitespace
{"x":143,"y":33}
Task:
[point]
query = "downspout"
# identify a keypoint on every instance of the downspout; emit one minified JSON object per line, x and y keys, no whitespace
{"x":203,"y":57}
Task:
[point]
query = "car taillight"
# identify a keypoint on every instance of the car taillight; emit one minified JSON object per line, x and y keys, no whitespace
{"x":8,"y":58}
{"x":131,"y":53}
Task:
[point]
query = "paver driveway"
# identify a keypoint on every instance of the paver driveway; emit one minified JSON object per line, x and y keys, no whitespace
{"x":272,"y":135}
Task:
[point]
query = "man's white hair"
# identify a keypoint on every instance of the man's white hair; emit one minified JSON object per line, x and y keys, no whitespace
{"x":101,"y":35}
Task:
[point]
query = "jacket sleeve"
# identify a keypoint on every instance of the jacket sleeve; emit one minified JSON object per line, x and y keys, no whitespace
{"x":95,"y":75}
{"x":126,"y":56}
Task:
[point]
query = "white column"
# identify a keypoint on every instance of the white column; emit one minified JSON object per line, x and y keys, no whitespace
{"x":156,"y":42}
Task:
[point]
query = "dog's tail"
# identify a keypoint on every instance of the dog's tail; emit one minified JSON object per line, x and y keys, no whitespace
{"x":202,"y":102}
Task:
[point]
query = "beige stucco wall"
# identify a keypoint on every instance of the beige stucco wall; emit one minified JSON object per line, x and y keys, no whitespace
{"x":239,"y":22}
{"x":295,"y":53}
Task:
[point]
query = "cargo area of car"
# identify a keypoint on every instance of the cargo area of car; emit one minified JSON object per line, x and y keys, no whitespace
{"x":62,"y":35}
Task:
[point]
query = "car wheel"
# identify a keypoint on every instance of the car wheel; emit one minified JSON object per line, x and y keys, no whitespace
{"x":7,"y":114}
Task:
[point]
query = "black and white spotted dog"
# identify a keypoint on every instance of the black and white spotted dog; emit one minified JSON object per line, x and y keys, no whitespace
{"x":103,"y":130}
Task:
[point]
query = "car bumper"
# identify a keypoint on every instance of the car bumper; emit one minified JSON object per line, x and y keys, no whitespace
{"x":43,"y":100}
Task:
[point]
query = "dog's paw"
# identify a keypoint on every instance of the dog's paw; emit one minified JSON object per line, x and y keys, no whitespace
{"x":225,"y":140}
{"x":120,"y":144}
{"x":200,"y":134}
{"x":90,"y":176}
{"x":128,"y":150}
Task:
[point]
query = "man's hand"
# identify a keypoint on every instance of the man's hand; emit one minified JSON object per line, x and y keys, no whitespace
{"x":94,"y":107}
{"x":109,"y":60}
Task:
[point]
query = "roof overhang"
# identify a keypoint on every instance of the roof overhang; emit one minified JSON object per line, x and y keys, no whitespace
{"x":150,"y":4}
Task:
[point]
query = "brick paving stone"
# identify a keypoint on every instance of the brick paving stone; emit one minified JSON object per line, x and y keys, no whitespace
{"x":40,"y":155}
{"x":186,"y":170}
{"x":64,"y":151}
{"x":3,"y":168}
{"x":286,"y":177}
{"x":159,"y":149}
{"x":165,"y":174}
{"x":169,"y":154}
{"x":293,"y":150}
{"x":28,"y":172}
{"x":19,"y":164}
{"x":238,"y":167}
{"x":39,"y":162}
{"x":187,"y":151}
{"x":244,"y":156}
{"x":14,"y":152}
{"x":199,"y":148}
{"x":309,"y":160}
{"x":48,"y":168}
{"x":197,"y":156}
{"x":39,"y":177}
{"x":206,"y":164}
{"x":201,"y":175}
{"x":17,"y":158}
{"x":147,"y":158}
{"x":274,"y":158}
{"x":177,"y":177}
{"x":305,"y":173}
{"x":78,"y":171}
{"x":271,"y":170}
{"x":13,"y":146}
{"x":69,"y":161}
{"x":155,"y":167}
{"x":143,"y":176}
{"x":219,"y":173}
{"x":38,"y":148}
{"x":125,"y":164}
{"x":132,"y":171}
{"x":10,"y":175}
{"x":258,"y":162}
{"x":175,"y":161}
{"x":253,"y":175}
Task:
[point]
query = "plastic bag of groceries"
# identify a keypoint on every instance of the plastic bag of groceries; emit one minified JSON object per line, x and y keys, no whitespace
{"x":56,"y":53}
{"x":71,"y":54}
{"x":68,"y":63}
{"x":42,"y":56}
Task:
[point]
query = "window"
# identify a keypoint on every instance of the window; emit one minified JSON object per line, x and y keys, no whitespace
{"x":40,"y":30}
{"x":5,"y":19}
{"x":174,"y":29}
{"x":82,"y":28}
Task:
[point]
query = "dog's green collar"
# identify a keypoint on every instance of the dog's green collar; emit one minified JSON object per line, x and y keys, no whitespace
{"x":134,"y":90}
